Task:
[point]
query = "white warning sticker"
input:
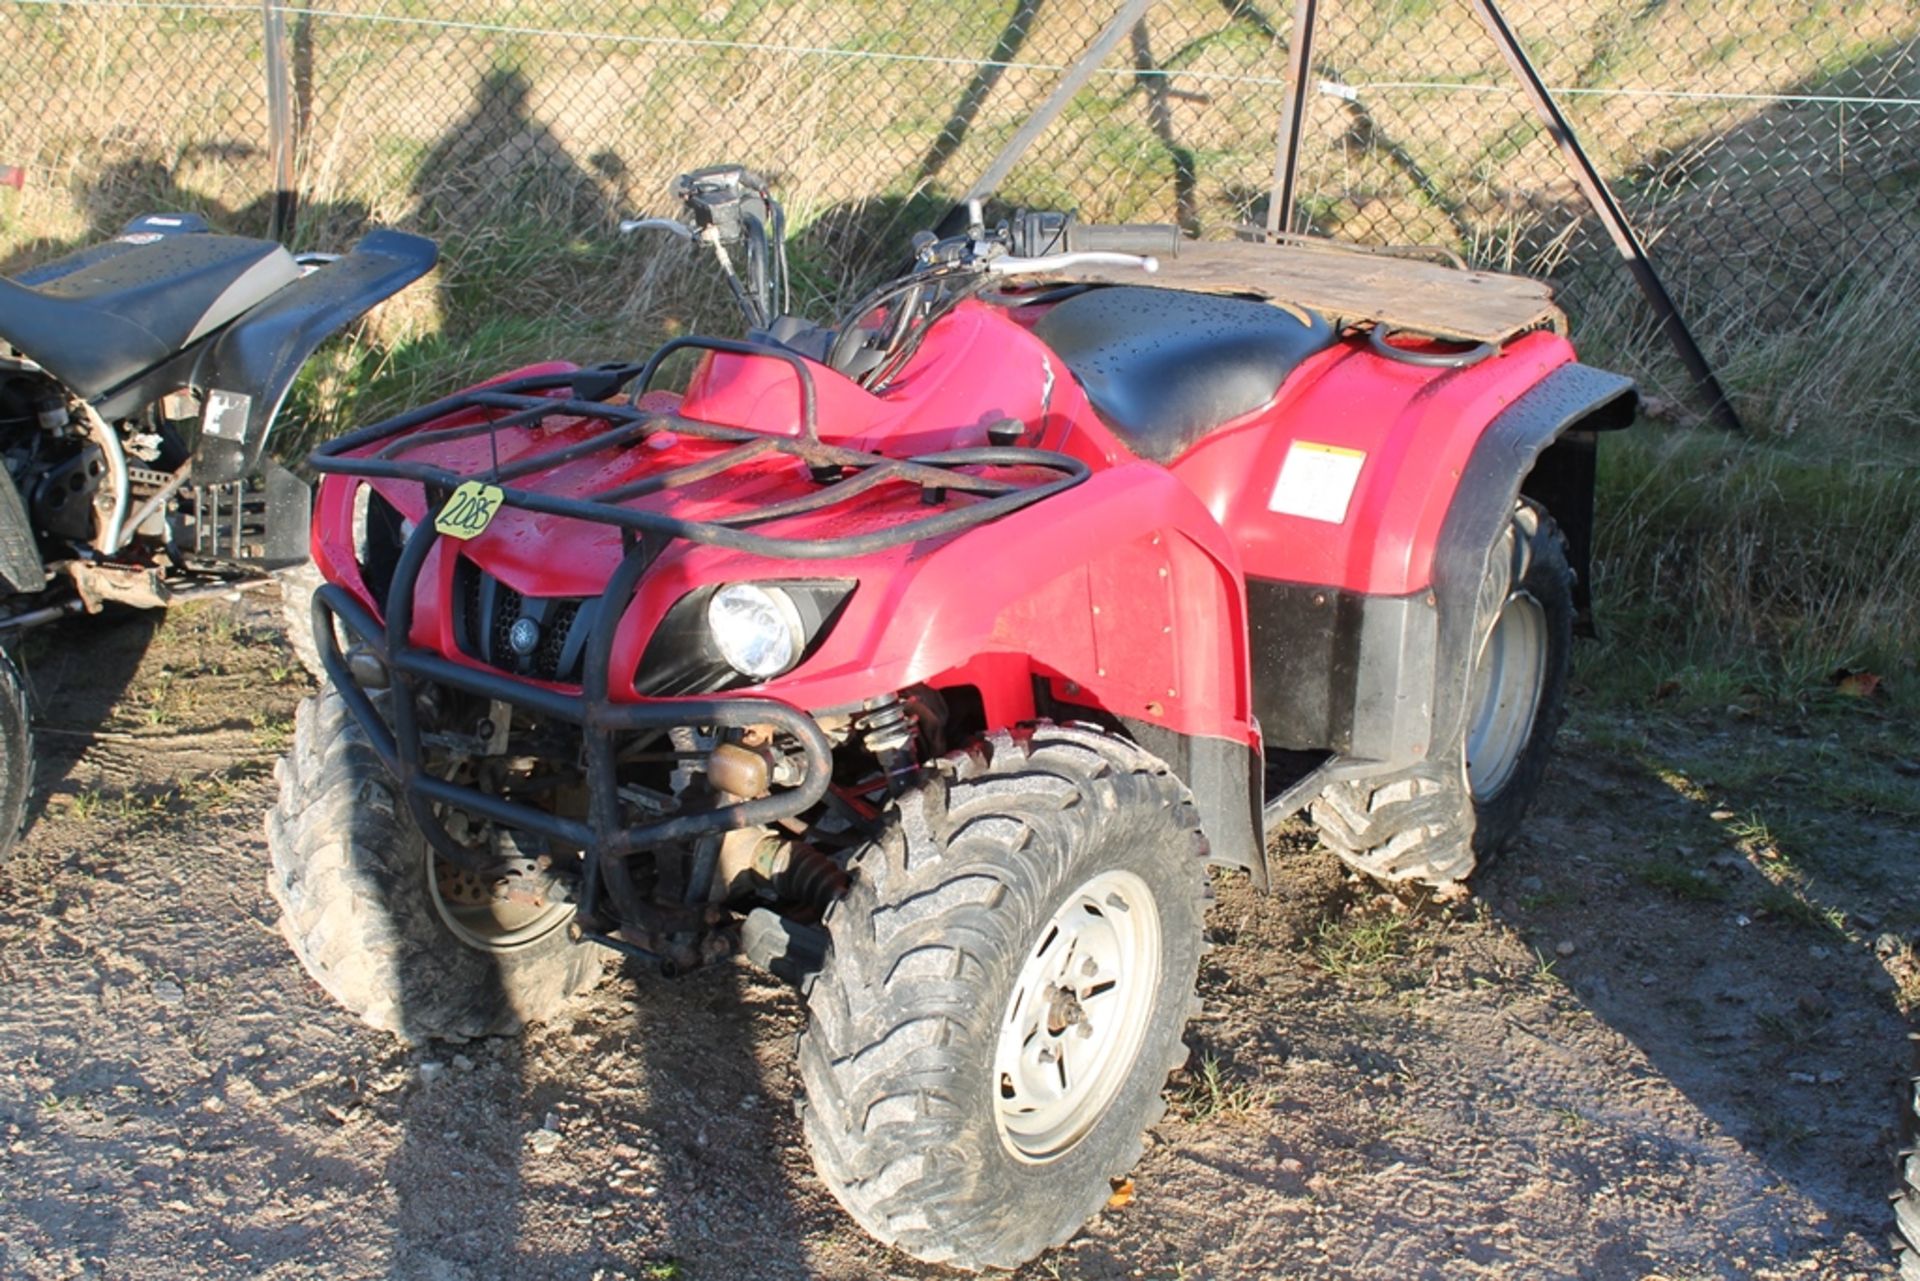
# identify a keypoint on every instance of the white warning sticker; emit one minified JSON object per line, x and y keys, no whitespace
{"x":1316,"y":481}
{"x":226,"y":414}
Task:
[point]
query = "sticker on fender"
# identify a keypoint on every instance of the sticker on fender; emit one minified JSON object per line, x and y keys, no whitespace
{"x":1316,"y":481}
{"x":470,"y":510}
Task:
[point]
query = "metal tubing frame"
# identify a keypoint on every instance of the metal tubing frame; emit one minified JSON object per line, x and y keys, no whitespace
{"x":280,"y":121}
{"x":527,"y":405}
{"x":1599,"y":196}
{"x":1074,"y":79}
{"x":396,"y":737}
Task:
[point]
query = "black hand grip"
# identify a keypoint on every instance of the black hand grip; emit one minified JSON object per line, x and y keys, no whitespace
{"x":1158,"y":238}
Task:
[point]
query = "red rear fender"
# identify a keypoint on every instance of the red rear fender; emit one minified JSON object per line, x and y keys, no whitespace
{"x":1345,"y":481}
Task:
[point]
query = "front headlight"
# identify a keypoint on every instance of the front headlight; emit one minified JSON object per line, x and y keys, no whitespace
{"x":727,"y":635}
{"x":757,"y":629}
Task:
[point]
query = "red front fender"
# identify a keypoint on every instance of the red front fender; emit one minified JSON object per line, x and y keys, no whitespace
{"x":1122,"y":590}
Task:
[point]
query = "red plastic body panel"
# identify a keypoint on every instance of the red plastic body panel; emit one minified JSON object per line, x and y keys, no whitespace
{"x":1126,"y":591}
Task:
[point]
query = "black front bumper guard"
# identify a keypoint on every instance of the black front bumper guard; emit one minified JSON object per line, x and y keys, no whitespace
{"x":603,"y":835}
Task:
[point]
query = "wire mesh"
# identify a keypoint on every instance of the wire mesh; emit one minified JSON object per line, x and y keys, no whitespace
{"x":1764,"y":152}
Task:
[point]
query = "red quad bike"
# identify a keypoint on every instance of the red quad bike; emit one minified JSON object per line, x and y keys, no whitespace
{"x":930,"y":659}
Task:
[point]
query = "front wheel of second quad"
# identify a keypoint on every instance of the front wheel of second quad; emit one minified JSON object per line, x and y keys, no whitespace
{"x":1434,"y":822}
{"x":398,"y":936}
{"x":1005,"y":993}
{"x":16,"y":753}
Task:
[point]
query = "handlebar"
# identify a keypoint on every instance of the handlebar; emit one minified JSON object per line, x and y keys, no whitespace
{"x":1149,"y":238}
{"x":1032,"y":233}
{"x":1011,"y":266}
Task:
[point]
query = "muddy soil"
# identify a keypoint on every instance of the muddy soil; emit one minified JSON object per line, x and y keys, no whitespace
{"x":1661,"y":1040}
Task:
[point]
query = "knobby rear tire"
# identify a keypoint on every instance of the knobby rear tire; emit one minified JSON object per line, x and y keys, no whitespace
{"x":1424,"y":823}
{"x":904,"y":1103}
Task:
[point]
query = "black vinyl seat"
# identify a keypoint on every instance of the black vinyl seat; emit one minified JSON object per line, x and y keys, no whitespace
{"x":98,"y":317}
{"x":1164,"y":367}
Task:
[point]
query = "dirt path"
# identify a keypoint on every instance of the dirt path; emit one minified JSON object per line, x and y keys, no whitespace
{"x":1661,"y":1041}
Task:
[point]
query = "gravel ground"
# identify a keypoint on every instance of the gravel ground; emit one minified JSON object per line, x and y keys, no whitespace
{"x":1632,"y":1054}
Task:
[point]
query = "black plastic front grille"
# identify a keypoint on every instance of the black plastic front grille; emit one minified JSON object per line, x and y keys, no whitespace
{"x":486,"y":611}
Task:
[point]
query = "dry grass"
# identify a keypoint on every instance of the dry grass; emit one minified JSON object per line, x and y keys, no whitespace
{"x":1796,"y":550}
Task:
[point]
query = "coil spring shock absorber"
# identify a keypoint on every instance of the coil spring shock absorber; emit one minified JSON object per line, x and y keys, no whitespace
{"x":889,"y":730}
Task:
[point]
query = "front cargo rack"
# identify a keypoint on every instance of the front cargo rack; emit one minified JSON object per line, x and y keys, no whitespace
{"x":842,"y":474}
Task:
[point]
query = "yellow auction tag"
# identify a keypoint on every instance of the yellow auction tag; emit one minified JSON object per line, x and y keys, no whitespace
{"x":471,"y":509}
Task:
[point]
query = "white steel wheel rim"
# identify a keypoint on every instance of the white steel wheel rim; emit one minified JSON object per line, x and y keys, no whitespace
{"x":500,"y":925}
{"x":1077,"y":1017}
{"x":1507,"y":683}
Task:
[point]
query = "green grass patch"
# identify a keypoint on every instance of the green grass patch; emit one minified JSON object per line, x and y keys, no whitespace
{"x":1680,"y":880}
{"x":1847,"y":762}
{"x":1790,"y":904}
{"x":1362,"y":946}
{"x":1746,"y":571}
{"x":360,"y":381}
{"x":1216,"y":1090}
{"x":1731,"y":571}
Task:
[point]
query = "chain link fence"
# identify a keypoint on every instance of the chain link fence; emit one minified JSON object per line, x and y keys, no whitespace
{"x":1765,"y":152}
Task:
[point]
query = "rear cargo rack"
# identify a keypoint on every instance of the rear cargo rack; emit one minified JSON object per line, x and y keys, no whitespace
{"x":395,"y":733}
{"x":843,"y":473}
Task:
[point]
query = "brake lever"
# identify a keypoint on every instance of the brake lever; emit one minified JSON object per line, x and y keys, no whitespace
{"x":680,"y":229}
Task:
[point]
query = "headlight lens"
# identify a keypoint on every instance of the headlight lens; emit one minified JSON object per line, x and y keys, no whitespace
{"x":700,"y":646}
{"x":756,"y":629}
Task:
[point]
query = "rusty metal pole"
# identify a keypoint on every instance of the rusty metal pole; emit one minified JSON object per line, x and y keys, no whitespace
{"x":1612,"y":218}
{"x":1070,"y":84}
{"x":1286,"y":147}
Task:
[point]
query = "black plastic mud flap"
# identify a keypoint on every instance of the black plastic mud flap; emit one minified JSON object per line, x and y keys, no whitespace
{"x":1225,"y":779}
{"x":247,"y":371}
{"x":258,"y":523}
{"x":1572,"y":398}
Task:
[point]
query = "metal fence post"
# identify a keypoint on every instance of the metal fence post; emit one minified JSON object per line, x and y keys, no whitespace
{"x":1286,"y":152}
{"x":1612,"y":218}
{"x":1071,"y":83}
{"x":280,"y":132}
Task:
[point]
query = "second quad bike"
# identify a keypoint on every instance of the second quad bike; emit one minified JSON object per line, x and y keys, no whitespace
{"x":929,"y":658}
{"x":1906,"y":1196}
{"x":139,"y":380}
